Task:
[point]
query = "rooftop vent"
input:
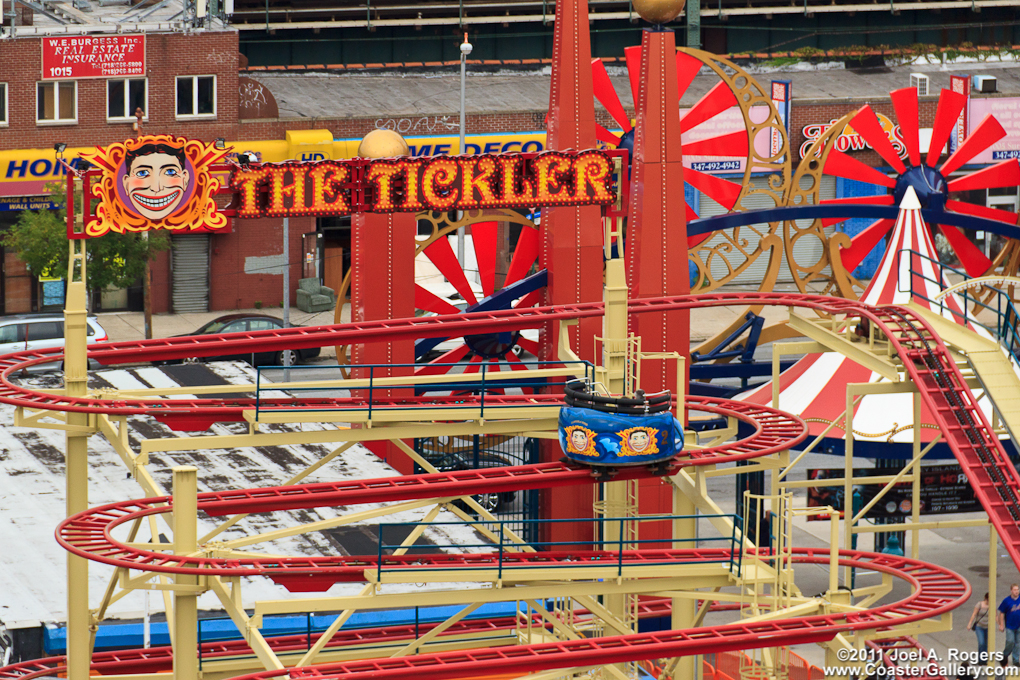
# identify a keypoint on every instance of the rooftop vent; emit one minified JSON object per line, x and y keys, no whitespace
{"x":984,"y":83}
{"x":920,"y":81}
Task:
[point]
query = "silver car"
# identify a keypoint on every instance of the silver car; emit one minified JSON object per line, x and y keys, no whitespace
{"x":39,"y":331}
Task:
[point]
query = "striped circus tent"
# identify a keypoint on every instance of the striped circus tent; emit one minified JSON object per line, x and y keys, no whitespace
{"x":815,"y":386}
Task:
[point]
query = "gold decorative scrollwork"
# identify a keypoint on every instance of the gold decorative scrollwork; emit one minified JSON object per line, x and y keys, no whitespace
{"x":727,"y":254}
{"x":827,"y":275}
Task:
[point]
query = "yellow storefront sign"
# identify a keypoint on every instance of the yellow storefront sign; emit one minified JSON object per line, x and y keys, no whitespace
{"x":25,"y":172}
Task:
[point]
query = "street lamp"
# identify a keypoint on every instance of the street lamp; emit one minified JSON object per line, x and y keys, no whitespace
{"x":465,"y":50}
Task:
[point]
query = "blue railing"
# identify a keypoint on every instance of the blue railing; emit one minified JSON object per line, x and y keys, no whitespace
{"x":615,"y":548}
{"x":1006,"y":329}
{"x":486,"y":383}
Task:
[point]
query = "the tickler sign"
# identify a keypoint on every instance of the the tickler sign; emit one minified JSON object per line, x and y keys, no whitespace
{"x":167,"y":182}
{"x":441,"y":183}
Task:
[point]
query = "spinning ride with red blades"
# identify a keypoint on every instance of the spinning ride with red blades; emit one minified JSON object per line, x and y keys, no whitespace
{"x":930,"y":181}
{"x":516,"y":288}
{"x":719,"y":99}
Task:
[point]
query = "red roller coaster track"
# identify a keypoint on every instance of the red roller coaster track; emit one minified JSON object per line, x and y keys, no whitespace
{"x":160,"y":659}
{"x":924,"y":355}
{"x":925,"y":358}
{"x":934,"y":591}
{"x":89,"y":533}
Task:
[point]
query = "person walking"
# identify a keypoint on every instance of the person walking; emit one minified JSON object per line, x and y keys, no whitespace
{"x":979,"y":624}
{"x":1009,"y":623}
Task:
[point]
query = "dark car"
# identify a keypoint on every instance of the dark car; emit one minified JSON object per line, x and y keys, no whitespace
{"x":242,"y":323}
{"x":493,"y":501}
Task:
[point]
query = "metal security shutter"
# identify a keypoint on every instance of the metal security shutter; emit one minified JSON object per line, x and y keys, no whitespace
{"x":190,"y":265}
{"x":808,"y":250}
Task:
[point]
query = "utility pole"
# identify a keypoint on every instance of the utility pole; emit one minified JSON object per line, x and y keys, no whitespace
{"x":147,"y":276}
{"x":465,"y":50}
{"x":286,"y":293}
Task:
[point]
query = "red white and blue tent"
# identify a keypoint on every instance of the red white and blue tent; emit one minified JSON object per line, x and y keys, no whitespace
{"x":815,"y":386}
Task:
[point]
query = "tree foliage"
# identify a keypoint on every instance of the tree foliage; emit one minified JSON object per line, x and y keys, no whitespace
{"x":114,"y":260}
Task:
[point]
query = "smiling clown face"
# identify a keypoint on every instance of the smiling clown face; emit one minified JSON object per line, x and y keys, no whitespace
{"x":156,"y":183}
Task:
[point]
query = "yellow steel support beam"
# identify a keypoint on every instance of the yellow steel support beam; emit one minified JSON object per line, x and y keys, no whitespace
{"x":697,"y":492}
{"x":387,"y":416}
{"x":185,"y":621}
{"x":516,"y":543}
{"x":438,"y":630}
{"x":517,"y":575}
{"x":223,"y":526}
{"x":683,"y":578}
{"x":408,"y":430}
{"x":608,"y":617}
{"x":230,"y":599}
{"x":684,"y":612}
{"x":77,"y":465}
{"x":840,"y":342}
{"x":347,"y":518}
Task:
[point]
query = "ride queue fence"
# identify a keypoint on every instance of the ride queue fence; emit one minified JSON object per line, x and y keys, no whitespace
{"x":486,"y":382}
{"x":1007,"y":320}
{"x":613,"y":551}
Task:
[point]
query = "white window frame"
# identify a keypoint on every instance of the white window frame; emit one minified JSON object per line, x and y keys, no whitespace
{"x":194,"y":98}
{"x":55,"y":84}
{"x":5,"y":121}
{"x":130,"y":115}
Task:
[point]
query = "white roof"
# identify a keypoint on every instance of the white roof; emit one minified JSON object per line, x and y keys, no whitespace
{"x":32,"y":564}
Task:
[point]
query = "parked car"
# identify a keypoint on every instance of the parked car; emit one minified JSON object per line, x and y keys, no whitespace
{"x":242,"y":323}
{"x":493,"y":501}
{"x":38,"y":331}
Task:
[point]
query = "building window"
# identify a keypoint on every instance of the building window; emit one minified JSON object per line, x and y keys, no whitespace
{"x":56,"y":102}
{"x":196,"y":96}
{"x":124,"y":96}
{"x":3,"y":104}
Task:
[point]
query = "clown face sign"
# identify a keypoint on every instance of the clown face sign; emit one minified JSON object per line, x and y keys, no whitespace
{"x":155,"y":182}
{"x":155,"y":179}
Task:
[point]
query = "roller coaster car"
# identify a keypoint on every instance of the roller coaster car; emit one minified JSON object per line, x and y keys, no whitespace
{"x":610,"y":432}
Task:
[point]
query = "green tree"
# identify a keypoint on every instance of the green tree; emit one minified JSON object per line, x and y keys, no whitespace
{"x":114,"y":260}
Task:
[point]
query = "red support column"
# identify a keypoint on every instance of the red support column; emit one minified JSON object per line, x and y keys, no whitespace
{"x":572,"y":237}
{"x":382,"y":287}
{"x":656,"y":248}
{"x":656,"y":223}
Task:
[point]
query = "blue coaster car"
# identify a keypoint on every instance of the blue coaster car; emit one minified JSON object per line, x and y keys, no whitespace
{"x":617,"y":431}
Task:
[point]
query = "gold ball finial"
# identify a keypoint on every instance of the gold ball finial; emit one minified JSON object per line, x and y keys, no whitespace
{"x":383,"y":144}
{"x":658,"y":11}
